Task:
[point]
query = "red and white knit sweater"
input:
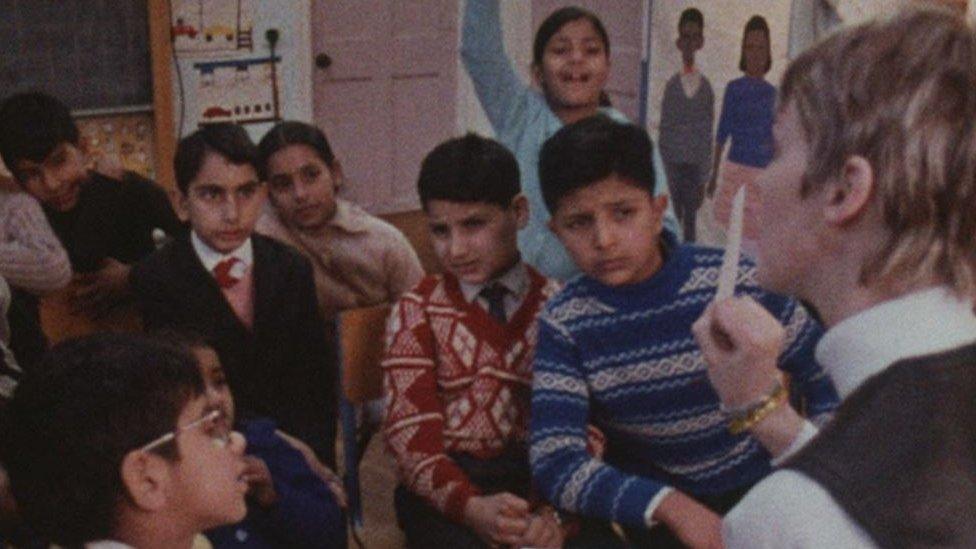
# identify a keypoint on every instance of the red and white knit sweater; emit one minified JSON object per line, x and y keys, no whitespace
{"x":456,"y":381}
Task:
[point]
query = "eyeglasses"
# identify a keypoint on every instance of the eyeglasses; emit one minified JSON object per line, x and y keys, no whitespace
{"x":219,"y":432}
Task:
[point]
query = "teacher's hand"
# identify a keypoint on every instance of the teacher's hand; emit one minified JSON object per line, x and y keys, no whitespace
{"x":741,"y":342}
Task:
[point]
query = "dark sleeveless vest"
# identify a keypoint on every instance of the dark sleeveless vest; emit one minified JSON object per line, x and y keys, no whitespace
{"x":900,"y":455}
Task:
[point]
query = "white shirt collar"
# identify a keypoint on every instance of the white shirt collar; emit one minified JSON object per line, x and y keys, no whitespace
{"x":515,"y":280}
{"x":920,"y":323}
{"x":210,"y":257}
{"x":107,"y":544}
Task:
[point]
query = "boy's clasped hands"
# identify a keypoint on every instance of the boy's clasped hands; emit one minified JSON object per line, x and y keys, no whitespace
{"x":505,"y":520}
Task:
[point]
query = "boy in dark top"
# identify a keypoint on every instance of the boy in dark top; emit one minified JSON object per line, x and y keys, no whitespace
{"x":252,"y":297}
{"x":616,"y":350}
{"x":105,"y":224}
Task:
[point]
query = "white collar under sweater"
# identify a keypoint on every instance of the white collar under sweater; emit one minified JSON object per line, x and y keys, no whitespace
{"x":920,"y":323}
{"x":210,"y":257}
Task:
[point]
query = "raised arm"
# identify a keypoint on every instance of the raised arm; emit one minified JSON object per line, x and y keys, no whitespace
{"x":502,"y":93}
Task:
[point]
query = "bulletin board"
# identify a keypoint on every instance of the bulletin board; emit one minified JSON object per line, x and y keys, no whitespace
{"x":120,"y":142}
{"x":91,"y":54}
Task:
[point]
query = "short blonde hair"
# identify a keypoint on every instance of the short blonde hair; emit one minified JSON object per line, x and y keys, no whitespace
{"x":901,"y":93}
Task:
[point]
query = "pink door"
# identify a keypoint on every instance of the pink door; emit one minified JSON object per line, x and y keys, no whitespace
{"x":623,"y":20}
{"x":387,"y":95}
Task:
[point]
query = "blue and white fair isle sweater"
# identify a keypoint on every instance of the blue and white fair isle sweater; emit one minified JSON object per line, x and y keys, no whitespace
{"x":625,"y":360}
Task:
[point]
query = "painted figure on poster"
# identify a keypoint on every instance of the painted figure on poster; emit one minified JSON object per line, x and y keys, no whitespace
{"x":687,"y":117}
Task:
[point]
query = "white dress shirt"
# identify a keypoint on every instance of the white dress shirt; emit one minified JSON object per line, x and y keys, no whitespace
{"x":788,"y":509}
{"x":211,"y":257}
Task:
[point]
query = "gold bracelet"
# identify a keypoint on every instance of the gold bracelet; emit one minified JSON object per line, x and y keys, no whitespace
{"x":758,"y":411}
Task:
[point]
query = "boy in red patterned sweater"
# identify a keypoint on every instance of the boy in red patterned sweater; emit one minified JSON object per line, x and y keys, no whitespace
{"x":457,"y":370}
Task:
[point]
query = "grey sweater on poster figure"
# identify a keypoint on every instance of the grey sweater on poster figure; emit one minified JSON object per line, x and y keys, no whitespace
{"x":686,"y":123}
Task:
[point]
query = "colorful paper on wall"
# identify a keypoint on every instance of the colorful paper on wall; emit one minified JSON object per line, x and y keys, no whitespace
{"x":238,"y":90}
{"x":212,"y":26}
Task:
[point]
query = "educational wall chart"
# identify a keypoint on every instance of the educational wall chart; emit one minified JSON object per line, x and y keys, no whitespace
{"x":244,"y":91}
{"x":212,"y":26}
{"x":232,"y":81}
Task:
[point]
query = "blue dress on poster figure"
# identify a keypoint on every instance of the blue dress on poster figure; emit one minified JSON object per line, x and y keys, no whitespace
{"x":748,"y":109}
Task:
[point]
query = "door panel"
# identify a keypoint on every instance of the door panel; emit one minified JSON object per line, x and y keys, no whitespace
{"x":389,"y":94}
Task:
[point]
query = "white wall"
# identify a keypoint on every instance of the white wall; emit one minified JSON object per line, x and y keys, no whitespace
{"x":293,"y":21}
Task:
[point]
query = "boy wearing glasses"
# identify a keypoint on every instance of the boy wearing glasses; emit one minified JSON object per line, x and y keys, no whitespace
{"x":293,"y":499}
{"x":114,"y":442}
{"x":252,"y":297}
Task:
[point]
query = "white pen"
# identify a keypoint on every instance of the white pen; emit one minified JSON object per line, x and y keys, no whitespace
{"x":733,"y":248}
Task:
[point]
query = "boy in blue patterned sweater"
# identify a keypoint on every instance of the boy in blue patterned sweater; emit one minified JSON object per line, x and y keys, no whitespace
{"x":616,"y":349}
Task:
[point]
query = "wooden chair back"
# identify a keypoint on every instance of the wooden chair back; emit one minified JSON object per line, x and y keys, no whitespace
{"x":361,"y":346}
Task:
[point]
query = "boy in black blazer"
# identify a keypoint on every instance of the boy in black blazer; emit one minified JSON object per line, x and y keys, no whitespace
{"x":251,"y":296}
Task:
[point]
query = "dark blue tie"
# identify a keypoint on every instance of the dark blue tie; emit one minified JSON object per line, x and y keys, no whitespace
{"x":494,"y":294}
